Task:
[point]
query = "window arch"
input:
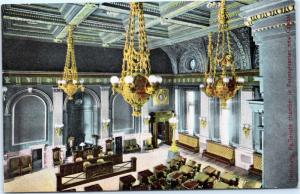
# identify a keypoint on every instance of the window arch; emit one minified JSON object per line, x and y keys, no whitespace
{"x":122,"y":119}
{"x":29,"y":120}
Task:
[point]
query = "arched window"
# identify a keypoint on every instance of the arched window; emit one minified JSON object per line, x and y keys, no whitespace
{"x":121,"y":115}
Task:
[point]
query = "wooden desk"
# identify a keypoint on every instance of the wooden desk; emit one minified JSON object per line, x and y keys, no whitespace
{"x":175,"y":178}
{"x":185,"y":169}
{"x":159,"y":184}
{"x":159,"y":170}
{"x":209,"y":170}
{"x":140,"y":187}
{"x":229,"y":178}
{"x":201,"y":177}
{"x":95,"y":187}
{"x":220,"y":185}
{"x":190,"y":184}
{"x":143,"y":176}
{"x":126,"y":182}
{"x":69,"y":190}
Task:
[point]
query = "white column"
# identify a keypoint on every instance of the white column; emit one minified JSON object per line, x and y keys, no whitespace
{"x":244,"y":153}
{"x":225,"y":123}
{"x":246,"y":118}
{"x":177,"y":110}
{"x":104,"y":96}
{"x":57,"y":115}
{"x":204,"y":114}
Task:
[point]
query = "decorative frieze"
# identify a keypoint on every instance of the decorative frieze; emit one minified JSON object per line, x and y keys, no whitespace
{"x":278,"y":11}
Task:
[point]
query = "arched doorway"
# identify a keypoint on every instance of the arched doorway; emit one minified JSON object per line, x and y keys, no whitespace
{"x":82,"y":117}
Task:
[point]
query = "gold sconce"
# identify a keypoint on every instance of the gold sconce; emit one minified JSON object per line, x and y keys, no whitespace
{"x":146,"y":120}
{"x":59,"y":129}
{"x":173,"y":124}
{"x":246,"y":129}
{"x":203,"y":122}
{"x":105,"y":123}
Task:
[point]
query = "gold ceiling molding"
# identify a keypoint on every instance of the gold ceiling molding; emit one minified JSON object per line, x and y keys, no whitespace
{"x":283,"y":10}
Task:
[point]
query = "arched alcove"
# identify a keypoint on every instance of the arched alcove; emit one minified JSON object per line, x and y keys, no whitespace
{"x":28,"y":119}
{"x":122,"y":119}
{"x":82,"y":117}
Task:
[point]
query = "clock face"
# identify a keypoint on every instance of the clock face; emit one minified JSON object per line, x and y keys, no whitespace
{"x":161,"y":97}
{"x":192,"y":64}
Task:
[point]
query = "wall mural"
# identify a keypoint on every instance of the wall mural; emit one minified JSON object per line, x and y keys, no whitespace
{"x":182,"y":54}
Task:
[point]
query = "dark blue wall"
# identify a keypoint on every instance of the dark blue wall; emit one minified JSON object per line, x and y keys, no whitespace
{"x":27,"y":55}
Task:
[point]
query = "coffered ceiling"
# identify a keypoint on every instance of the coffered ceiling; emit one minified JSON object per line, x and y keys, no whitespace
{"x":104,"y":24}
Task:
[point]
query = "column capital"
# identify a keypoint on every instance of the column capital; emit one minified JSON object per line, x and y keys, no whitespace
{"x":56,"y":89}
{"x":105,"y":88}
{"x":270,"y":19}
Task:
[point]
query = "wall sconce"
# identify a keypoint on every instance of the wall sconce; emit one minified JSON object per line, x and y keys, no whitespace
{"x":4,"y":90}
{"x":246,"y":129}
{"x":59,"y":129}
{"x":105,"y":123}
{"x":203,"y":122}
{"x":29,"y":90}
{"x":173,"y":124}
{"x":146,"y":120}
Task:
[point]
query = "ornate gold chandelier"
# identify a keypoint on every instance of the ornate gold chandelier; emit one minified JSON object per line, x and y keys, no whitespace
{"x":222,"y":85}
{"x":70,"y":83}
{"x":136,"y":84}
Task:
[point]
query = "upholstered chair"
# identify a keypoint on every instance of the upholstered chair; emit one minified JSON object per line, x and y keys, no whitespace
{"x":56,"y":156}
{"x":101,"y":155}
{"x":79,"y":159}
{"x":26,"y":164}
{"x":216,"y":174}
{"x":191,"y":163}
{"x":148,"y":144}
{"x":86,"y":164}
{"x":14,"y":166}
{"x":89,"y":157}
{"x":101,"y":160}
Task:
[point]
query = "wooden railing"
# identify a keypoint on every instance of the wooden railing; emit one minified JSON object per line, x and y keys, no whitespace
{"x":71,"y":171}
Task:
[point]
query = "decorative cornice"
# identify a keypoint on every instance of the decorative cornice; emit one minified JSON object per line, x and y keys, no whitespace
{"x":278,"y":11}
{"x":47,"y":78}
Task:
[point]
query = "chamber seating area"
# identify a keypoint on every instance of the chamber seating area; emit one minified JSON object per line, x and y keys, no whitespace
{"x":156,"y":95}
{"x":179,"y":174}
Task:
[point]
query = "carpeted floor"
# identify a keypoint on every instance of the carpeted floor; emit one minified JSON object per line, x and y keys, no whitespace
{"x":45,"y":180}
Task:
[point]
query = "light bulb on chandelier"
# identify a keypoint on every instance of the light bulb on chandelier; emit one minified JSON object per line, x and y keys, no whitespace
{"x":136,"y":85}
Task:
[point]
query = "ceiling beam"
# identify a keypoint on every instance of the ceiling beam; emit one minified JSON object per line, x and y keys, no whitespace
{"x":172,"y":9}
{"x":85,"y":11}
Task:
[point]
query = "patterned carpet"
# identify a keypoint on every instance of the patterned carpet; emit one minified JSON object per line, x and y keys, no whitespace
{"x":45,"y":180}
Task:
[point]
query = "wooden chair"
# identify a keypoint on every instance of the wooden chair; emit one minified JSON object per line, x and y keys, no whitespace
{"x":26,"y":164}
{"x":14,"y":166}
{"x":56,"y":156}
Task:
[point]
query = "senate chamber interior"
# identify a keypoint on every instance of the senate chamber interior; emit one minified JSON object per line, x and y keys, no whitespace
{"x":131,"y":96}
